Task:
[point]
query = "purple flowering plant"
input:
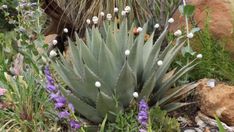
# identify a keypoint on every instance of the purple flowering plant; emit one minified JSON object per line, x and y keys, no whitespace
{"x":143,"y":115}
{"x":65,"y":109}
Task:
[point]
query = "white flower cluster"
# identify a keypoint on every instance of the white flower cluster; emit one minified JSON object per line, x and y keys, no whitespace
{"x":95,"y":19}
{"x":98,"y":84}
{"x":108,"y":16}
{"x":178,"y":33}
{"x":171,"y":20}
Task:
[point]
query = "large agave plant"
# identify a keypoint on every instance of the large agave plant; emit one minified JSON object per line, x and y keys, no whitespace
{"x":120,"y":64}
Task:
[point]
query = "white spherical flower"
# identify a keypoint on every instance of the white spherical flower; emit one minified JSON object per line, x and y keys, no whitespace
{"x":171,"y":20}
{"x":95,"y":19}
{"x":139,"y":29}
{"x":98,"y":84}
{"x":54,"y":42}
{"x":178,"y":33}
{"x":135,"y":95}
{"x":65,"y":30}
{"x":88,"y":21}
{"x":156,"y":25}
{"x":160,"y":63}
{"x":123,"y":13}
{"x":4,"y":6}
{"x":102,"y":14}
{"x":127,"y":52}
{"x":109,"y":16}
{"x":127,"y":9}
{"x":190,"y":35}
{"x":53,"y":53}
{"x":199,"y":56}
{"x":116,"y":9}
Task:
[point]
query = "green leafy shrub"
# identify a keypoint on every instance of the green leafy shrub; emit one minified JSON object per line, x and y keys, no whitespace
{"x":161,"y":122}
{"x":216,"y":63}
{"x":124,"y":122}
{"x":120,"y":64}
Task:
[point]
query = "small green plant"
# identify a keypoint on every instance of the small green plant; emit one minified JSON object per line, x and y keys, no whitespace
{"x":106,"y":70}
{"x":124,"y":122}
{"x":161,"y":122}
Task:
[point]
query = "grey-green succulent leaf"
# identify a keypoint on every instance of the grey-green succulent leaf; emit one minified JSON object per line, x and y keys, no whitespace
{"x":83,"y":108}
{"x":126,"y":84}
{"x":107,"y":105}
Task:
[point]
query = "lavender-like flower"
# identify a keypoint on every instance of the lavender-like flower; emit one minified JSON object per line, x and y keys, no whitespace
{"x":143,"y":115}
{"x":74,"y":124}
{"x":65,"y":108}
{"x":64,"y":114}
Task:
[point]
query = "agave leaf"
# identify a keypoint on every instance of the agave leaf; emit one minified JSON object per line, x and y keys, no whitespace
{"x":107,"y":105}
{"x":83,"y":108}
{"x":148,"y":86}
{"x":166,"y":85}
{"x":125,"y":85}
{"x":76,"y":58}
{"x":88,"y":57}
{"x":184,"y":92}
{"x":147,"y":48}
{"x":107,"y":67}
{"x":151,"y":62}
{"x":90,"y":79}
{"x":111,"y":43}
{"x":168,"y":75}
{"x":132,"y":58}
{"x":96,"y":42}
{"x":131,"y":37}
{"x":173,"y":106}
{"x":179,"y":91}
{"x":87,"y":36}
{"x":167,"y":62}
{"x":135,"y":58}
{"x":65,"y":62}
{"x":122,"y":36}
{"x":71,"y":79}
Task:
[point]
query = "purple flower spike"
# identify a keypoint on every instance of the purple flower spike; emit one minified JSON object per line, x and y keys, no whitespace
{"x":59,"y":105}
{"x":64,"y":114}
{"x":51,"y":87}
{"x":53,"y":96}
{"x":143,"y":115}
{"x":60,"y":99}
{"x":74,"y":124}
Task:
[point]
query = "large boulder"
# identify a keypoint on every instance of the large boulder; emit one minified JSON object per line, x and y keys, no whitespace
{"x":218,"y":101}
{"x":220,"y":16}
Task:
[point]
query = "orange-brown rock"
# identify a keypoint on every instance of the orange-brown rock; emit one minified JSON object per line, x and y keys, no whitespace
{"x":217,"y":101}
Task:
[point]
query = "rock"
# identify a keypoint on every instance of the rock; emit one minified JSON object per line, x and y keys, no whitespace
{"x":217,"y":101}
{"x":50,"y":38}
{"x":208,"y":124}
{"x":218,"y":13}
